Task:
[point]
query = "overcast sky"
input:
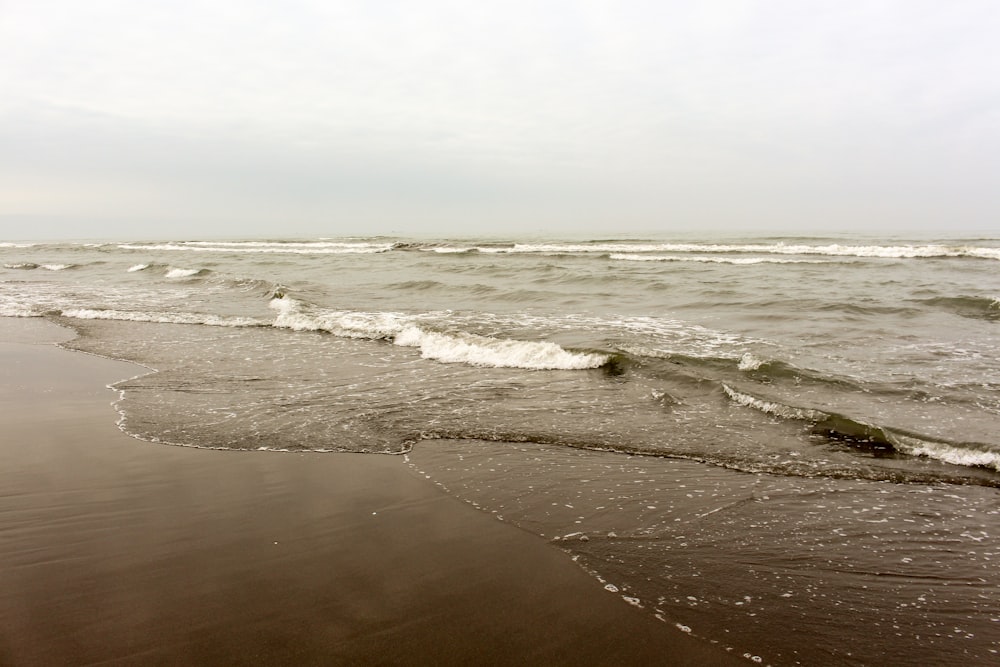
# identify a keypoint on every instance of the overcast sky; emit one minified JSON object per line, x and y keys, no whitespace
{"x":300,"y":117}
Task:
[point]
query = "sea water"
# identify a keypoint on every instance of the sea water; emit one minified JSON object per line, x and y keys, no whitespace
{"x":784,"y":445}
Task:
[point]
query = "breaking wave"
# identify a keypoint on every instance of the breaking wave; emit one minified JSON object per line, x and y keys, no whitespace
{"x":267,"y":247}
{"x":185,"y":273}
{"x":870,"y":436}
{"x":482,"y":351}
{"x":33,"y":265}
{"x":751,"y":362}
{"x":160,"y":317}
{"x":635,"y":250}
{"x":713,"y":260}
{"x":460,"y":347}
{"x":617,"y":250}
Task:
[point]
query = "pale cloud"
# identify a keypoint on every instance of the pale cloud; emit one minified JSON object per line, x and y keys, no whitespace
{"x":320,"y":117}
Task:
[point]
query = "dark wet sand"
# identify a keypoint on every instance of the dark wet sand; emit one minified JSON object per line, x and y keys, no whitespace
{"x":117,"y":551}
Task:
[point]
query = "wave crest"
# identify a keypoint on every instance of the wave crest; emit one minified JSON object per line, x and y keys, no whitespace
{"x":872,"y":436}
{"x":491,"y":352}
{"x":184,"y":273}
{"x":267,"y":247}
{"x":460,"y":347}
{"x":159,"y":317}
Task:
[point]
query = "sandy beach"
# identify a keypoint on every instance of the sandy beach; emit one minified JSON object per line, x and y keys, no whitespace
{"x":118,"y":551}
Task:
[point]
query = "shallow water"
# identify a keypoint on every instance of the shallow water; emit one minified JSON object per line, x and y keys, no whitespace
{"x":787,"y":569}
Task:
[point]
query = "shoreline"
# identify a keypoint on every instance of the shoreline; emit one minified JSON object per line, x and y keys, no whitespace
{"x":122,"y":551}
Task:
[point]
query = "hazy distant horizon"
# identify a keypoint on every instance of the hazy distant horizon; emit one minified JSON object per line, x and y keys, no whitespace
{"x":322,"y":119}
{"x":159,"y":235}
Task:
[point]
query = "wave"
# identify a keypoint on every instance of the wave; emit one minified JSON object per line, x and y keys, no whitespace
{"x":298,"y":316}
{"x":7,"y":244}
{"x":17,"y":310}
{"x":267,"y":247}
{"x":975,"y":307}
{"x":713,"y":260}
{"x":419,"y":285}
{"x":262,"y":287}
{"x":27,"y":266}
{"x":871,"y":436}
{"x":618,"y":250}
{"x":185,"y":273}
{"x":460,"y":347}
{"x":160,"y":317}
{"x":495,"y":353}
{"x":772,"y":407}
{"x":751,"y":362}
{"x":641,"y":251}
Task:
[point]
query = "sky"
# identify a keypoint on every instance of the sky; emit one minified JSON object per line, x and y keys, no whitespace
{"x":169,"y":119}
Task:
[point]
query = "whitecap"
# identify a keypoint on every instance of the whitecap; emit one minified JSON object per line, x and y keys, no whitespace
{"x":832,"y":249}
{"x":773,"y":408}
{"x":181,"y":273}
{"x":496,"y":353}
{"x":295,"y":315}
{"x":460,"y":347}
{"x":267,"y":247}
{"x":750,"y":362}
{"x":714,"y":260}
{"x":16,"y":310}
{"x":967,"y":455}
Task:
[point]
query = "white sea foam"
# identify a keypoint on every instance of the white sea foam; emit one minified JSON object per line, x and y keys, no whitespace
{"x":558,"y":248}
{"x":749,"y":362}
{"x":56,"y":267}
{"x":833,"y":249}
{"x":181,"y":273}
{"x":714,"y":260}
{"x":16,"y":310}
{"x":772,"y":408}
{"x":21,"y":265}
{"x":620,"y":250}
{"x":964,"y":455}
{"x":16,"y":245}
{"x":138,"y":267}
{"x":266,"y":247}
{"x":975,"y":456}
{"x":406,"y":331}
{"x":160,"y":317}
{"x":293,"y":314}
{"x":482,"y":351}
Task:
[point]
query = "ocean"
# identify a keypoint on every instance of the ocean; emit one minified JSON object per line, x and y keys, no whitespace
{"x":786,"y":446}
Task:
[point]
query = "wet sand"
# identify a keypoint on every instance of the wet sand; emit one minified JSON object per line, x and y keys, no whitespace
{"x":117,"y":551}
